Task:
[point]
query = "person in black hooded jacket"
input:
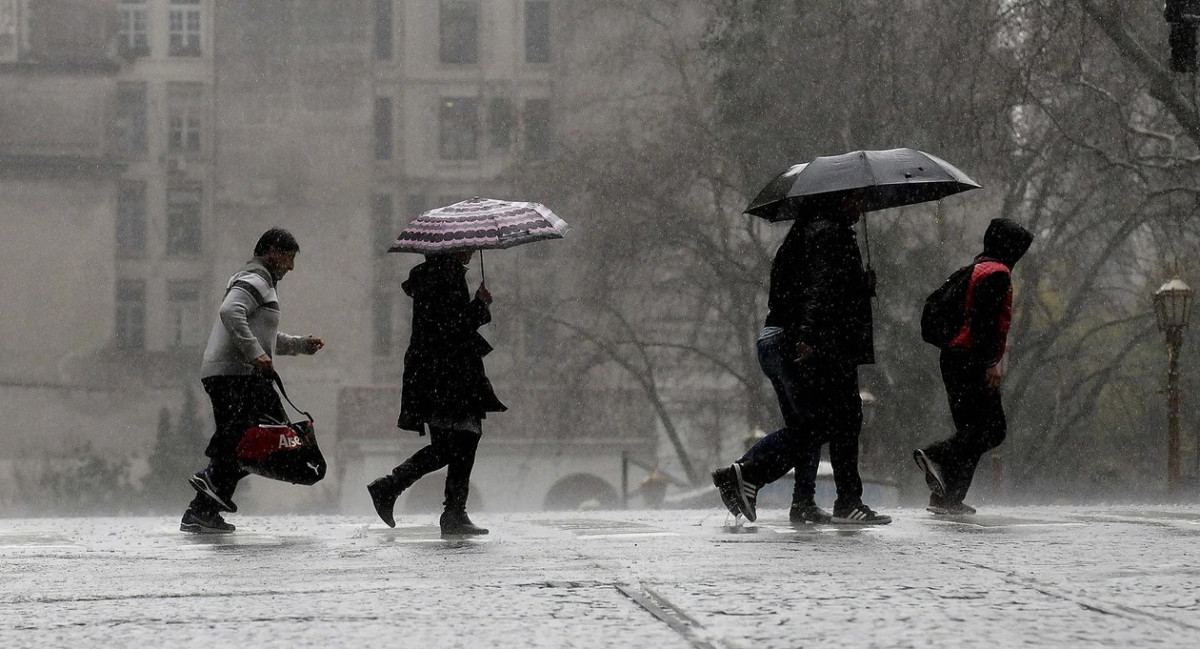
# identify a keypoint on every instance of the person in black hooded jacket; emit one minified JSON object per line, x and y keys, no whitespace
{"x":818,"y":331}
{"x":972,"y":372}
{"x":445,"y":389}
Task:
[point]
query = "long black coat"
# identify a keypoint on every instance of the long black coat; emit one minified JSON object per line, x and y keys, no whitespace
{"x":819,"y":292}
{"x":443,"y":367}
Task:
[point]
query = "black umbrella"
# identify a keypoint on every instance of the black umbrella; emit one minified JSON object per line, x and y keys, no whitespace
{"x":876,"y":179}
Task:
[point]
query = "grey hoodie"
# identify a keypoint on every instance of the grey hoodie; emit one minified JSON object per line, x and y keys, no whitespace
{"x":248,"y":326}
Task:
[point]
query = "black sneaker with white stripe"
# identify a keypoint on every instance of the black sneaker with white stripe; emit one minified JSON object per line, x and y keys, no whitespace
{"x":739,"y":496}
{"x":933,"y":473}
{"x":202,"y":483}
{"x":859,"y":515}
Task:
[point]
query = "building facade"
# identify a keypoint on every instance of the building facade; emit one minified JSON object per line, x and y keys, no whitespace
{"x":464,"y":90}
{"x":161,"y":137}
{"x":59,"y":187}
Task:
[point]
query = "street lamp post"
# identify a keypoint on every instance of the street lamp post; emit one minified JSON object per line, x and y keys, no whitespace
{"x":1172,"y":303}
{"x":868,"y":403}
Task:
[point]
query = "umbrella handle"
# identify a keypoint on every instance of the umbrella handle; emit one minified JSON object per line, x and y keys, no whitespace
{"x":866,"y":239}
{"x":483,"y":279}
{"x":870,"y":271}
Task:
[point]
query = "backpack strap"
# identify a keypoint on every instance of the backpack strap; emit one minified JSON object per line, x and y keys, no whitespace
{"x":982,"y":259}
{"x":990,"y":266}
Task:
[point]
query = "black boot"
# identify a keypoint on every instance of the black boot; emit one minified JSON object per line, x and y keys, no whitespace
{"x":461,"y":458}
{"x":457,"y":523}
{"x":384,"y":493}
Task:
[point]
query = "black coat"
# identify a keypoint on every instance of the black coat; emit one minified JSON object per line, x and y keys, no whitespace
{"x":819,"y":292}
{"x":443,"y":367}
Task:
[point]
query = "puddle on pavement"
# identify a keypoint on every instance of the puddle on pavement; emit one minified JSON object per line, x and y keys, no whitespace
{"x":1000,"y":522}
{"x":35,"y":541}
{"x":1151,"y":517}
{"x":420,"y":535}
{"x":598,"y":529}
{"x":767,"y":532}
{"x":241,"y":542}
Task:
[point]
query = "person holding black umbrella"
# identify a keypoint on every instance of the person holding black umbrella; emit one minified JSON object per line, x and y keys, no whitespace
{"x":818,"y":331}
{"x":445,"y":391}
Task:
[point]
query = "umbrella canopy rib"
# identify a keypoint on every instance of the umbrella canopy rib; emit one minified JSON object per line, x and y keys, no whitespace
{"x":479,"y":224}
{"x":876,"y":180}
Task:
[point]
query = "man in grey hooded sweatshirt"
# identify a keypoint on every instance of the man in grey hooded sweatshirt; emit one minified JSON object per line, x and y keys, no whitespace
{"x":236,"y":373}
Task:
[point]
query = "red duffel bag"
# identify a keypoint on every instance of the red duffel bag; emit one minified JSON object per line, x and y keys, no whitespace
{"x":283,"y":451}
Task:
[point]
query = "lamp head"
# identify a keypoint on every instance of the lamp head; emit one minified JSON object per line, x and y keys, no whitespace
{"x":1172,"y":305}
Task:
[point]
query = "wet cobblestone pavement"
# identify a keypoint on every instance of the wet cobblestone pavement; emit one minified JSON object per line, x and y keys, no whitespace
{"x":1009,"y":577}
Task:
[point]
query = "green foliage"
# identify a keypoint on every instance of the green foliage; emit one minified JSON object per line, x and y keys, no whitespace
{"x":177,"y":453}
{"x":1026,"y":97}
{"x":86,"y":483}
{"x":1030,"y":98}
{"x":802,"y":79}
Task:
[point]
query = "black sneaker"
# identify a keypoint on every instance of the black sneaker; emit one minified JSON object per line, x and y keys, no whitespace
{"x":194,"y":523}
{"x":933,"y":472}
{"x":202,"y":483}
{"x":860,"y":515}
{"x":809,"y":514}
{"x":738,"y":495}
{"x":949,"y":509}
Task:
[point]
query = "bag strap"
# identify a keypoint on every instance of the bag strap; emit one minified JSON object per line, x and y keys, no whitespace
{"x":279,"y":384}
{"x":982,"y":260}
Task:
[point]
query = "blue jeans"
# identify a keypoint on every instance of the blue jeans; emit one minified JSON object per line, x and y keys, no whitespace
{"x":820,"y":403}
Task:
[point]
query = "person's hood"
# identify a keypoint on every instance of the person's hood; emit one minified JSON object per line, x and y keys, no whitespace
{"x":1006,"y":241}
{"x":437,"y":273}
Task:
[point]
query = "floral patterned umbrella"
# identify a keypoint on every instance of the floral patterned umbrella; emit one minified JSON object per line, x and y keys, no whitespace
{"x":479,"y":224}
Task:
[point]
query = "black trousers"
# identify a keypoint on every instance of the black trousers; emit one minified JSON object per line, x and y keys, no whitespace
{"x":827,"y":409}
{"x":979,"y":423}
{"x":453,"y":449}
{"x":238,"y":402}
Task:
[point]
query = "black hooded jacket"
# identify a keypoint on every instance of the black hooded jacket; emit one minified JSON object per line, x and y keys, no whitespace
{"x":1004,"y":241}
{"x":443,"y":367}
{"x":819,"y":293}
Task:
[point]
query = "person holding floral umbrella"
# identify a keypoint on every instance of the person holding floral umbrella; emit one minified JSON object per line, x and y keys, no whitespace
{"x":445,"y":391}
